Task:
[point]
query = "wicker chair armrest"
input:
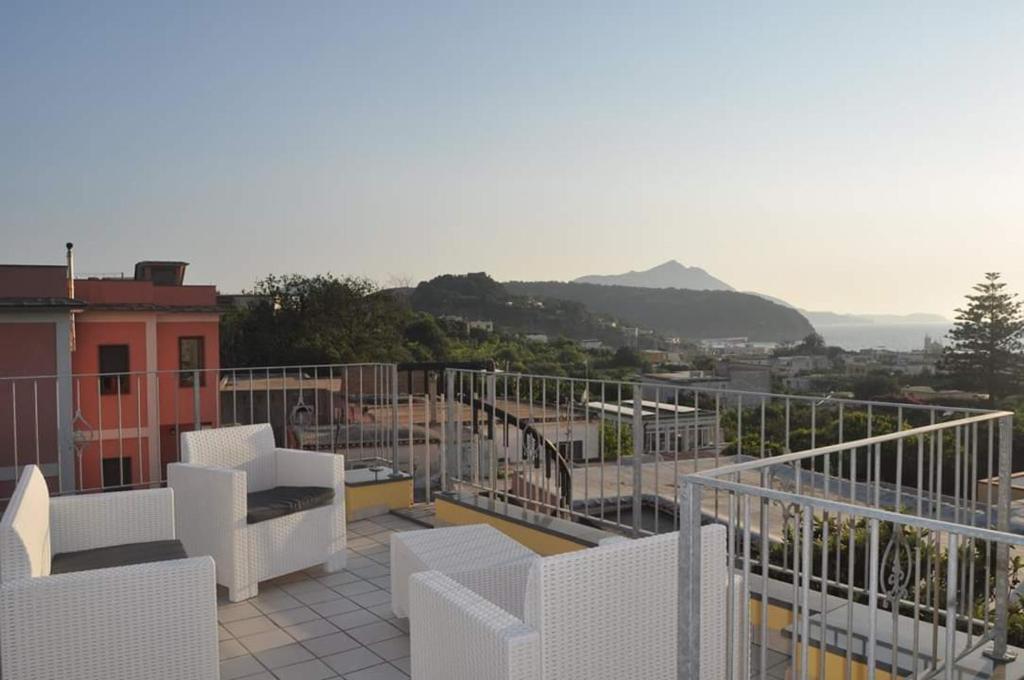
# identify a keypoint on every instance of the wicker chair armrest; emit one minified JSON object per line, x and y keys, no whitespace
{"x":209,"y":512}
{"x":310,"y":468}
{"x":503,"y":585}
{"x":458,"y":635}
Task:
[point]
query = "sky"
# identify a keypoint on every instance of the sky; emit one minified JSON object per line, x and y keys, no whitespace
{"x":854,"y":157}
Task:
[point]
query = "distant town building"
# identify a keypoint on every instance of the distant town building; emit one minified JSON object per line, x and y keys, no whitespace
{"x":481,"y":326}
{"x":926,"y":394}
{"x":728,"y":375}
{"x":787,"y":366}
{"x":536,"y":337}
{"x":932,"y":346}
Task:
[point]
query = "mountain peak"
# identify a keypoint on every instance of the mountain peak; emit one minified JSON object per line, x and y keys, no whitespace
{"x":669,"y":264}
{"x":668,"y":274}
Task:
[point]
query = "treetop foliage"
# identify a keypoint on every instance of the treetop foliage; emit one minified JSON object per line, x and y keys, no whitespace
{"x":987,"y":339}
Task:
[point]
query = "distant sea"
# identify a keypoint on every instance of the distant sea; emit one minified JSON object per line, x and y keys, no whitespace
{"x":900,"y":337}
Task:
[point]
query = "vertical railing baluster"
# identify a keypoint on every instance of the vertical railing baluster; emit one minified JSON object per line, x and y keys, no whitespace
{"x":120,"y":433}
{"x":917,"y":554}
{"x":14,"y":426}
{"x":393,"y":377}
{"x":730,"y":586}
{"x":138,"y":429}
{"x":677,"y":443}
{"x":197,"y":418}
{"x":952,"y":569}
{"x":602,"y":444}
{"x":586,"y":446}
{"x":718,"y":440}
{"x":765,"y":547}
{"x":35,"y":418}
{"x":639,"y":435}
{"x":744,"y":670}
{"x":872,"y":642}
{"x":618,"y":458}
{"x":739,"y":426}
{"x":804,"y":604}
{"x":850,"y":560}
{"x":656,"y":452}
{"x":412,"y":443}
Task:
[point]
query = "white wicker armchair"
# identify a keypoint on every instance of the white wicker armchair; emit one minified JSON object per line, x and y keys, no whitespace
{"x":220,"y":470}
{"x":151,"y":620}
{"x":605,"y":613}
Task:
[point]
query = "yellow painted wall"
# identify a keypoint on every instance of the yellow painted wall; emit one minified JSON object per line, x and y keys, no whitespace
{"x":778,"y":617}
{"x":380,"y":498}
{"x":835,"y":664}
{"x":541,"y":542}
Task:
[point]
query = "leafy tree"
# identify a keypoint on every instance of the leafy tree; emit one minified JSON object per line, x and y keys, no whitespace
{"x":425,"y":339}
{"x":626,"y":357}
{"x":875,"y":385}
{"x":986,"y":340}
{"x":813,"y":343}
{"x":616,"y":441}
{"x":314,"y":319}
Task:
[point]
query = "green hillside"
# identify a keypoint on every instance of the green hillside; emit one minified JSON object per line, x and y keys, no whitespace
{"x":692,"y":314}
{"x":479,"y":297}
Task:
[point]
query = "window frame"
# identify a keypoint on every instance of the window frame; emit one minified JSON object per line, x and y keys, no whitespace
{"x":185,"y":374}
{"x":114,"y":382}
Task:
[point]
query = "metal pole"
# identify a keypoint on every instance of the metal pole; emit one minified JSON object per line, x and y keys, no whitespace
{"x":394,"y":419}
{"x":638,"y":449}
{"x":449,"y":424}
{"x":197,"y":421}
{"x":998,"y":651}
{"x":688,"y":659}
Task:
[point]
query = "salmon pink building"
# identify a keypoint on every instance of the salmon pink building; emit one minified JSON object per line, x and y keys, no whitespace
{"x":126,"y":364}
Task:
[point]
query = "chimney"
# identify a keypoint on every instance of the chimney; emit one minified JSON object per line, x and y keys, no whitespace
{"x":72,"y":340}
{"x":71,"y":268}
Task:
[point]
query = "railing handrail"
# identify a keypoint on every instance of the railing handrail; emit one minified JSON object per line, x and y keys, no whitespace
{"x":821,"y":400}
{"x":865,"y":511}
{"x":220,"y":369}
{"x":866,"y":442}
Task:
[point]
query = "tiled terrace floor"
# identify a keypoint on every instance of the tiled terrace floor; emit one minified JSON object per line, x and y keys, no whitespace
{"x":314,"y":626}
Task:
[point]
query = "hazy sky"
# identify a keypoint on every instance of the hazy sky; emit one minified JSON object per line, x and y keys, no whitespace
{"x":861,"y":156}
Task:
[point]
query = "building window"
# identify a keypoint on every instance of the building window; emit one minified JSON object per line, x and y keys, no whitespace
{"x":191,"y":357}
{"x":114,"y":377}
{"x":117,"y":473}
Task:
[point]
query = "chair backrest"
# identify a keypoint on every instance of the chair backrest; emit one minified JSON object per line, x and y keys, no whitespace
{"x":607,"y":613}
{"x":610,"y":612}
{"x":25,"y":529}
{"x":242,"y":447}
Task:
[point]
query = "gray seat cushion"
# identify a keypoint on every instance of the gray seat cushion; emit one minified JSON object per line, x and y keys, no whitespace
{"x":284,"y":500}
{"x":117,"y":556}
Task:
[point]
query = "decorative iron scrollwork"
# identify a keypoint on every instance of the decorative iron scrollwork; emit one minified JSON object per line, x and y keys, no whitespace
{"x":895,"y":569}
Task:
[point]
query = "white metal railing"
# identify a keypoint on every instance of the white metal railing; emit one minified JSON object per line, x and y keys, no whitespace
{"x":91,"y":431}
{"x":570,"y":446}
{"x":825,"y":533}
{"x":853,"y":504}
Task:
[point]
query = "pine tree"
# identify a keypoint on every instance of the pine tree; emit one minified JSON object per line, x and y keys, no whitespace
{"x":987,"y":339}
